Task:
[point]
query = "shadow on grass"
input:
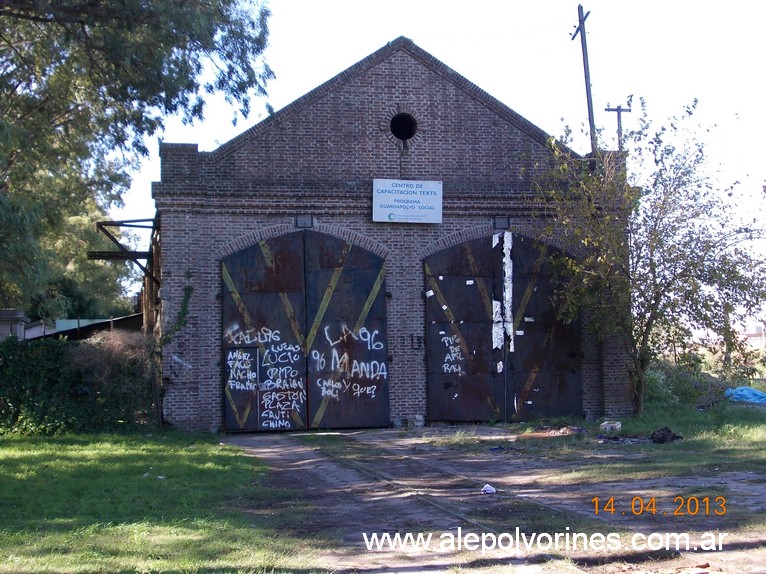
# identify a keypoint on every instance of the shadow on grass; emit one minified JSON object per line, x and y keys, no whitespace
{"x":118,"y":503}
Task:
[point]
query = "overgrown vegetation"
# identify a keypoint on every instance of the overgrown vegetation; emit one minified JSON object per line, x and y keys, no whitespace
{"x":669,"y":386}
{"x":657,"y":250}
{"x":143,"y":503}
{"x":51,"y":386}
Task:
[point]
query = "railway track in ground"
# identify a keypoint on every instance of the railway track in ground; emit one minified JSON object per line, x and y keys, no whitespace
{"x":364,"y":483}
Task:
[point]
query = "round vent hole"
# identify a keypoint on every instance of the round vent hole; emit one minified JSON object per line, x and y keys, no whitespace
{"x":403,"y":126}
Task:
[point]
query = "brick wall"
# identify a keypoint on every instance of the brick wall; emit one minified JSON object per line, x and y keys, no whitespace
{"x":319,"y":156}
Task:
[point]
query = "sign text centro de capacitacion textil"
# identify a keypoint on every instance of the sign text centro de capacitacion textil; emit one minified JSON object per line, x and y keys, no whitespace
{"x":405,"y":201}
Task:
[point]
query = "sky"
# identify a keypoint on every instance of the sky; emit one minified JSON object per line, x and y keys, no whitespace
{"x":668,"y":52}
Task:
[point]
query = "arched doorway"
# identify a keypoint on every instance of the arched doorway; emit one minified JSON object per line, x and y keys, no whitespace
{"x":304,"y":335}
{"x":495,"y":348}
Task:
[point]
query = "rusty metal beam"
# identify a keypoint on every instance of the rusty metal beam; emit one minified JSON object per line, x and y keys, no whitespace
{"x":125,"y":254}
{"x":119,"y":255}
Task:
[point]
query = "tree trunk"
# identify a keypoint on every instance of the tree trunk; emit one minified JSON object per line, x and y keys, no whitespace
{"x":639,"y":386}
{"x":640,"y":364}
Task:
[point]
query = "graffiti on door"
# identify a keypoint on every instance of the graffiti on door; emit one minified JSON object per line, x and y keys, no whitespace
{"x":304,"y":335}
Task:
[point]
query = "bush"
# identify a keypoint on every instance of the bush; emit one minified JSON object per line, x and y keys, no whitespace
{"x":657,"y":389}
{"x":668,"y":384}
{"x":53,"y":385}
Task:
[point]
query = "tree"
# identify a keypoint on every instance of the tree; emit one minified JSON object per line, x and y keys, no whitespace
{"x":76,"y":286}
{"x":656,"y":251}
{"x":83,"y":83}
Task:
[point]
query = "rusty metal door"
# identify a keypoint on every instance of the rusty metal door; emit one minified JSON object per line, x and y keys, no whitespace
{"x":463,"y":379}
{"x":547,"y":358}
{"x":304,"y":335}
{"x":264,"y":310}
{"x":495,"y":351}
{"x":348,"y":355}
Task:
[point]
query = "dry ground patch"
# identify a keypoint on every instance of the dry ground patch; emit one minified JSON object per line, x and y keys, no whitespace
{"x":430,"y":480}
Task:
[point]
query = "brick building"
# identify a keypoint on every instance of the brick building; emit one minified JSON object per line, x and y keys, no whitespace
{"x":363,"y":257}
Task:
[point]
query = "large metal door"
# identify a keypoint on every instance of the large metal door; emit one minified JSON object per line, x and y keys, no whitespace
{"x":495,"y":350}
{"x":347,"y":347}
{"x":546,"y":361}
{"x":464,"y":381}
{"x":304,"y":335}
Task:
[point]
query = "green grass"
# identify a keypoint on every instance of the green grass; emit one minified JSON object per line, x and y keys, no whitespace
{"x":183,"y":504}
{"x":143,"y":503}
{"x":724,"y":437}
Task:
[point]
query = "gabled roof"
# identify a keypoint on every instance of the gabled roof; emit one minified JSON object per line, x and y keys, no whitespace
{"x":400,"y":44}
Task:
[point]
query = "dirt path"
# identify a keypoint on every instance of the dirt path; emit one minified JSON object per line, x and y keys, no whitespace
{"x":401,"y":484}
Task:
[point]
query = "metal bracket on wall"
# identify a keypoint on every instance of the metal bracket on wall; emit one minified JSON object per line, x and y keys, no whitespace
{"x":125,"y":254}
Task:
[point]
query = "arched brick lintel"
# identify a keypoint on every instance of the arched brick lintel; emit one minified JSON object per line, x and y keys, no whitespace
{"x":355,"y":238}
{"x":478,"y":232}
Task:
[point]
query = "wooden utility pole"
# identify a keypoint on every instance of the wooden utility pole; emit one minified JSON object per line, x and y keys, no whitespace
{"x":620,"y":110}
{"x":581,"y":31}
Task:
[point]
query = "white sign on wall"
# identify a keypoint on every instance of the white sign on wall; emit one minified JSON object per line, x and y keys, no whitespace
{"x":406,"y":201}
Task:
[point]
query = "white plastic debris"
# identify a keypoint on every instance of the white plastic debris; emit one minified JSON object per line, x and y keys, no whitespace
{"x":610,"y":426}
{"x":488,"y":489}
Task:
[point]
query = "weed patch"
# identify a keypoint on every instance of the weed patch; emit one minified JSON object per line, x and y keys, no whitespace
{"x":50,"y":386}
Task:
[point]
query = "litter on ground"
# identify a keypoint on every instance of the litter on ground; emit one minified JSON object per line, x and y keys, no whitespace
{"x":746,"y":395}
